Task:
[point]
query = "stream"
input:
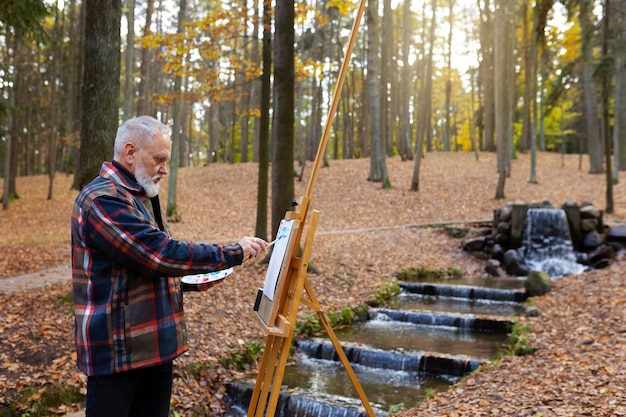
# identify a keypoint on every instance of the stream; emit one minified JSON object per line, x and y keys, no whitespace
{"x":427,"y":338}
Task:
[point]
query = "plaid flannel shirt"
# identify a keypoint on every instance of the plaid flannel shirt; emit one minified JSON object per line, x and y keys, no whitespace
{"x":127,"y":295}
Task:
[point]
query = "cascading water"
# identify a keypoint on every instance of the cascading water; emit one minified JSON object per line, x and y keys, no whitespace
{"x":547,"y":244}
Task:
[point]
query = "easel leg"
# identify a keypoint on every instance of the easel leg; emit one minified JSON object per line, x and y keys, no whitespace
{"x":270,"y":376}
{"x":342,"y":356}
{"x":264,"y":378}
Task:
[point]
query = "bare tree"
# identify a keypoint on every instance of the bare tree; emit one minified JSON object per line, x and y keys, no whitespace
{"x":129,"y":59}
{"x":594,"y":144}
{"x":177,"y":127}
{"x":378,"y":166}
{"x":501,"y":122}
{"x":424,"y":105}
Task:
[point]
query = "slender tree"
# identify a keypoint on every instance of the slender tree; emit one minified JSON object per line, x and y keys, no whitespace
{"x":606,"y":74}
{"x":143,"y":99}
{"x":19,"y":20}
{"x":129,"y":61}
{"x":619,"y":121}
{"x":378,"y":166}
{"x":424,"y":105}
{"x":448,"y":92}
{"x":594,"y":144}
{"x":406,"y":137}
{"x":501,"y":121}
{"x":486,"y":77}
{"x":177,"y":127}
{"x":264,"y":124}
{"x":54,"y":102}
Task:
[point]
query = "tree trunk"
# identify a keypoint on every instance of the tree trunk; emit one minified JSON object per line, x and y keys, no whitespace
{"x":487,"y":73}
{"x":386,"y":127}
{"x":591,"y":105}
{"x":264,"y":124}
{"x":72,"y":76}
{"x":619,"y":121}
{"x":447,"y":134}
{"x":283,"y":127}
{"x":55,"y":121}
{"x":100,"y":88}
{"x":378,"y":167}
{"x":143,"y":100}
{"x":172,"y":181}
{"x":606,"y":76}
{"x":423,"y":112}
{"x":406,"y":137}
{"x":500,"y":91}
{"x":130,"y":59}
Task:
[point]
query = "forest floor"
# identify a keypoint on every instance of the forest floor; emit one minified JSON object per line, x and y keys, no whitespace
{"x":364,"y":236}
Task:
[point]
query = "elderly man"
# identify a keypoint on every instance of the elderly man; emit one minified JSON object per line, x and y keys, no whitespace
{"x":126,"y":269}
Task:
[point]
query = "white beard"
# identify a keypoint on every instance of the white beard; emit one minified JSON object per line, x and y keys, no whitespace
{"x":147,"y":183}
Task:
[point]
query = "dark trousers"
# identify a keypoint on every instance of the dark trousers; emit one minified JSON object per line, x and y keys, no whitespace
{"x":139,"y":393}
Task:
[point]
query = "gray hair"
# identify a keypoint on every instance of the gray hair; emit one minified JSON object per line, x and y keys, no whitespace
{"x":140,"y":131}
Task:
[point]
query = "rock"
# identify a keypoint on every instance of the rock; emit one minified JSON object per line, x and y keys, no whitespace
{"x":503,"y":227}
{"x":602,"y":252}
{"x":532,"y":311}
{"x":617,"y":246}
{"x":589,"y":212}
{"x":505,"y":213}
{"x":456,"y":232}
{"x":497,"y":252}
{"x":503,"y":239}
{"x":538,"y":283}
{"x":589,"y":225}
{"x":602,"y":263}
{"x":514,"y":264}
{"x":617,"y":233}
{"x":474,"y":245}
{"x":545,"y":203}
{"x":592,"y":240}
{"x":493,"y":268}
{"x":569,"y":203}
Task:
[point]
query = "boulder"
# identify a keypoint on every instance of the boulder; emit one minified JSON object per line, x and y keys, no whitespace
{"x":617,"y":234}
{"x":592,"y":240}
{"x":514,"y":264}
{"x":538,"y":283}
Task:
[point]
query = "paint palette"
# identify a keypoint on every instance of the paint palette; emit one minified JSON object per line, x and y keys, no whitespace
{"x":212,"y":277}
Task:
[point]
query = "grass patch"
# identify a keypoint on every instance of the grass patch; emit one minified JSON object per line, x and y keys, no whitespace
{"x":517,"y":342}
{"x":243,"y":358}
{"x":310,"y":325}
{"x":389,"y":290}
{"x":418,"y":274}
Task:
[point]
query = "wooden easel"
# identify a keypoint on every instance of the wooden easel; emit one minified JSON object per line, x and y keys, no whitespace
{"x":278,"y":312}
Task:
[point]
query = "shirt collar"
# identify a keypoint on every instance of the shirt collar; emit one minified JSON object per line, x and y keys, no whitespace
{"x":116,"y":172}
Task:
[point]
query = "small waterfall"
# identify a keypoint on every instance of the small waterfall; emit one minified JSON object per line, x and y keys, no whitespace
{"x":547,"y":244}
{"x":288,"y":405}
{"x":463,"y":292}
{"x":463,"y":322}
{"x":431,"y":363}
